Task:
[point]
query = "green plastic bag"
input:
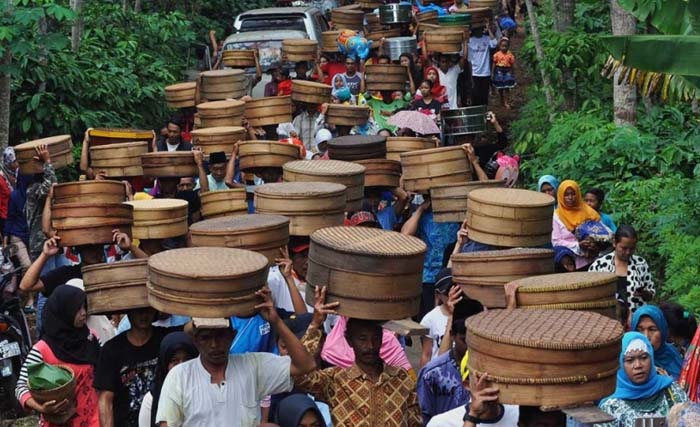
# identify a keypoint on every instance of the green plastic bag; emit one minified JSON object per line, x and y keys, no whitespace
{"x":47,"y":377}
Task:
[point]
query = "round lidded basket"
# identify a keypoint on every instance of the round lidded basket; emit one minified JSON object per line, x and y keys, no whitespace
{"x":576,"y":287}
{"x":329,"y":41}
{"x":482,"y":275}
{"x":224,"y":203}
{"x":424,"y":169}
{"x":374,"y":274}
{"x":427,"y":17}
{"x":448,"y":41}
{"x":239,"y":58}
{"x":345,"y":18}
{"x":351,"y":175}
{"x":395,"y":145}
{"x":65,"y":391}
{"x":90,"y":223}
{"x":510,"y":217}
{"x":221,"y":138}
{"x":103,"y":191}
{"x":356,"y":147}
{"x":300,"y":49}
{"x":105,"y":136}
{"x":266,"y":154}
{"x":377,"y":35}
{"x":169,"y":164}
{"x":480,"y":15}
{"x":271,"y":110}
{"x":206,"y":282}
{"x":118,"y":160}
{"x":390,"y":77}
{"x":220,"y":113}
{"x":381,"y":172}
{"x":116,"y":287}
{"x":549,"y":358}
{"x":218,"y":85}
{"x":159,"y":218}
{"x":449,"y":201}
{"x":308,"y":205}
{"x":60,"y":148}
{"x":181,"y":95}
{"x":347,"y":115}
{"x":264,"y":234}
{"x":311,"y":92}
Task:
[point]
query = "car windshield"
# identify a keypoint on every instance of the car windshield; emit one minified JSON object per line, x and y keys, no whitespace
{"x":270,"y":51}
{"x":270,"y":22}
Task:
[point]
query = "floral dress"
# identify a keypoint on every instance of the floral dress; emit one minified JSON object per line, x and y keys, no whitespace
{"x":627,"y":411}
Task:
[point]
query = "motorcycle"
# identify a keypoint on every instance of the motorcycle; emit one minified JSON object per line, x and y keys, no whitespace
{"x":15,"y":338}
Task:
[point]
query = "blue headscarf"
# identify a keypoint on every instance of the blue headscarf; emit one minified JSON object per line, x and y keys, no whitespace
{"x":548,"y":179}
{"x":342,"y":93}
{"x":667,"y":357}
{"x":625,"y":388}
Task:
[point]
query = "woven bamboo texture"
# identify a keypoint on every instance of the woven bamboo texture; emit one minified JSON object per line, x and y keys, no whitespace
{"x":374,"y":274}
{"x":266,"y":154}
{"x":264,"y":234}
{"x":206,"y":282}
{"x":444,"y":40}
{"x":449,"y":201}
{"x":89,"y":192}
{"x":395,"y":145}
{"x":329,"y":41}
{"x":163,"y":164}
{"x":224,"y":203}
{"x":59,"y":148}
{"x":424,"y":169}
{"x":577,"y":287}
{"x":386,"y":76}
{"x":119,"y":159}
{"x":300,"y":49}
{"x":239,"y":58}
{"x":218,"y":85}
{"x":159,"y":218}
{"x":90,"y":223}
{"x":220,"y":113}
{"x":355,"y":147}
{"x":381,"y":172}
{"x":181,"y":95}
{"x":347,"y":19}
{"x":351,"y":175}
{"x":311,"y":92}
{"x":271,"y":110}
{"x":347,"y":115}
{"x":214,"y":139}
{"x":116,"y":287}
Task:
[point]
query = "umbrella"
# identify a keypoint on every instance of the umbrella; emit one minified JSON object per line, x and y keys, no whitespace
{"x":414,"y":120}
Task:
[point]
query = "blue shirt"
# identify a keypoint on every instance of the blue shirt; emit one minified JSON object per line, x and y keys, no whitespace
{"x":608,"y":221}
{"x":253,"y":334}
{"x":387,"y":218}
{"x":440,"y":387}
{"x":16,"y":222}
{"x":437,"y":236}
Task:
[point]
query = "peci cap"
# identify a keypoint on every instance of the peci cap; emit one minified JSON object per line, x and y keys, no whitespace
{"x":217,"y":157}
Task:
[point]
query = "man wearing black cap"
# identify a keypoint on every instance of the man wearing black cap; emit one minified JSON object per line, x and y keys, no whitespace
{"x":221,"y":172}
{"x":436,"y":319}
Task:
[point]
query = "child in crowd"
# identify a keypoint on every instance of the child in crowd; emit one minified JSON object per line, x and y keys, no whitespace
{"x":503,"y":63}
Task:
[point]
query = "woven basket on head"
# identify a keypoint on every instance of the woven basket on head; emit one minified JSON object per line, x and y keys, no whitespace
{"x":217,"y":85}
{"x":159,"y":218}
{"x":221,"y":138}
{"x":103,"y":191}
{"x":266,"y":154}
{"x":90,"y":223}
{"x":395,"y":145}
{"x":381,"y":172}
{"x":374,"y":274}
{"x":264,"y":234}
{"x":549,"y":358}
{"x":224,"y":203}
{"x":351,"y":175}
{"x":271,"y":110}
{"x":449,"y":201}
{"x":118,"y":160}
{"x":351,"y":148}
{"x":206,"y":282}
{"x":181,"y":95}
{"x":567,"y":288}
{"x":106,"y":136}
{"x":173,"y":164}
{"x":220,"y":114}
{"x":60,"y":148}
{"x":116,"y":287}
{"x":425,"y":169}
{"x":481,"y":275}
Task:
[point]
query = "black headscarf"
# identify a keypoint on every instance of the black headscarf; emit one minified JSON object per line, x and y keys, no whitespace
{"x":68,"y":343}
{"x":291,"y":410}
{"x":171,"y":344}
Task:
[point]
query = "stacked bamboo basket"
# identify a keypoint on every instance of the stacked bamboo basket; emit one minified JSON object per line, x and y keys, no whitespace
{"x":224,"y":203}
{"x":60,"y":149}
{"x":118,"y":160}
{"x":159,"y":218}
{"x":351,"y":175}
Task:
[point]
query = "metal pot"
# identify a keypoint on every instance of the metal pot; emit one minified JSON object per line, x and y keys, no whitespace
{"x":395,"y":46}
{"x":395,"y":14}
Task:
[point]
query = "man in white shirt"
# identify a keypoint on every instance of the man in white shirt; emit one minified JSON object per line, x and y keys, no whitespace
{"x":218,"y":389}
{"x":221,"y":173}
{"x":480,"y":45}
{"x":449,"y":72}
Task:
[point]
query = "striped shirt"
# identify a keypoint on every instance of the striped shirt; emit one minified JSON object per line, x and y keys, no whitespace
{"x":22,"y":387}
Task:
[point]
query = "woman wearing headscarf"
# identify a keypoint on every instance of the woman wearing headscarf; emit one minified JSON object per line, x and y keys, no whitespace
{"x":299,"y":410}
{"x":10,"y":167}
{"x":438,"y":90}
{"x":650,"y":321}
{"x":548,"y":184}
{"x":176,"y":348}
{"x":66,"y":341}
{"x":340,"y":91}
{"x":570,"y":214}
{"x":640,"y":392}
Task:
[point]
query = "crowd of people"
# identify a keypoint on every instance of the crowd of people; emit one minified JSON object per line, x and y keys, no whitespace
{"x":293,"y":364}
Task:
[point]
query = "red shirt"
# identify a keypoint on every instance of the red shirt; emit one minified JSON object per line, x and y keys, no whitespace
{"x":4,"y":198}
{"x":331,"y":70}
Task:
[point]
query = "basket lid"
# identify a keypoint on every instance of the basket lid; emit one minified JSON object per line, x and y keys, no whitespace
{"x":506,"y":254}
{"x":120,"y":145}
{"x":310,"y":84}
{"x":546,"y":329}
{"x":299,"y":42}
{"x":493,"y":182}
{"x":357,"y":141}
{"x":327,"y":167}
{"x":157,"y":204}
{"x":121,"y":265}
{"x":79,"y":186}
{"x":300,"y":189}
{"x":181,"y":86}
{"x":368,"y":241}
{"x":207,"y":263}
{"x":239,"y":223}
{"x":218,"y":130}
{"x":173,"y":155}
{"x":233,"y":194}
{"x":222,"y":73}
{"x":122,"y":133}
{"x":511,"y":197}
{"x":47,"y":141}
{"x":565,"y":281}
{"x":431,"y":151}
{"x":216,"y":105}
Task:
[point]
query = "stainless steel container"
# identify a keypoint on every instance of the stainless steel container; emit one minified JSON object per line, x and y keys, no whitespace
{"x":395,"y":14}
{"x":395,"y":46}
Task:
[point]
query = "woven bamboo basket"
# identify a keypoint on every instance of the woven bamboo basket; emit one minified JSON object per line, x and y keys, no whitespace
{"x":355,"y":147}
{"x":372,"y":22}
{"x":374,"y":274}
{"x":391,"y":77}
{"x":429,"y":17}
{"x":181,"y":95}
{"x":206,"y":282}
{"x":347,"y":115}
{"x":271,"y":110}
{"x":491,"y":4}
{"x":224,"y":203}
{"x":381,"y":173}
{"x":480,"y":15}
{"x":444,"y":40}
{"x":577,"y":287}
{"x":551,"y":358}
{"x":89,"y":192}
{"x":222,"y":138}
{"x":58,"y":394}
{"x":349,"y":174}
{"x":118,"y":160}
{"x":218,"y":85}
{"x":90,"y":223}
{"x":308,"y":205}
{"x":606,"y":307}
{"x":370,"y":5}
{"x":264,"y":234}
{"x":266,"y":154}
{"x":395,"y":145}
{"x":329,"y":41}
{"x":424,"y":169}
{"x":116,"y":287}
{"x":60,"y":148}
{"x":348,"y":19}
{"x":377,"y":35}
{"x":300,"y":49}
{"x":311,"y":92}
{"x":482,"y":275}
{"x":105,"y":136}
{"x":159,"y":218}
{"x":239,"y":58}
{"x":510,"y":217}
{"x":220,"y":113}
{"x":449,"y":201}
{"x":425,"y":27}
{"x":165,"y":164}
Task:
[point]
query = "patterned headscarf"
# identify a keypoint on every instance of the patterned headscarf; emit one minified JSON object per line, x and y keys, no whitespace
{"x":10,"y":176}
{"x":8,"y":156}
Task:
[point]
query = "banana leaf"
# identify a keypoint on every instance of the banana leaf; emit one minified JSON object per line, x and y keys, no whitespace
{"x":43,"y":376}
{"x":667,"y":16}
{"x":678,"y":55}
